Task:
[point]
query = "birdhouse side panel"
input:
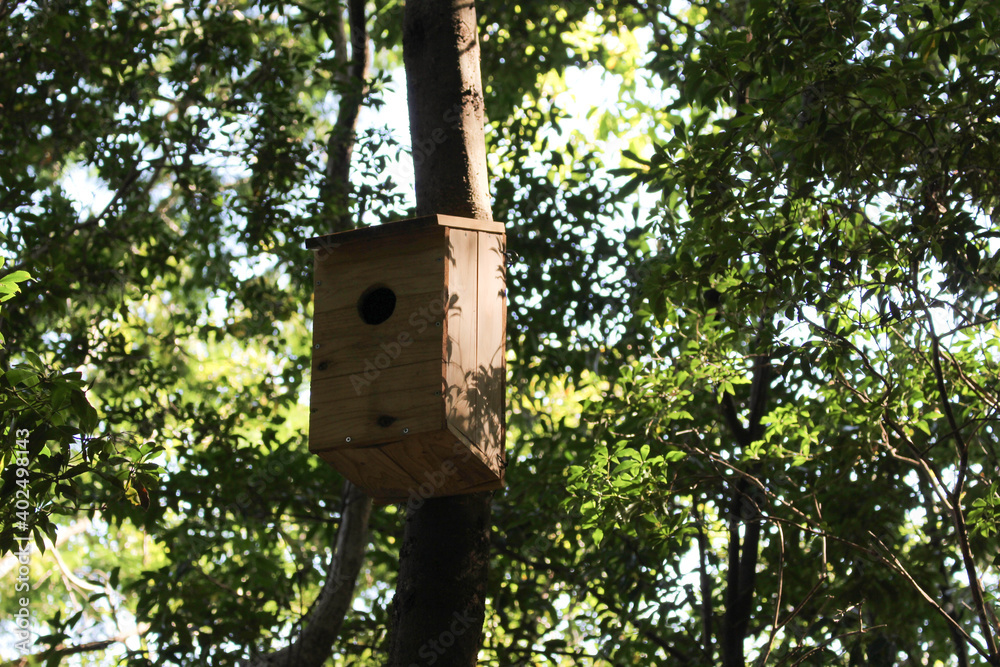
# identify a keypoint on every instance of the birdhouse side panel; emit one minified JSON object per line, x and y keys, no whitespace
{"x":491,"y":367}
{"x":475,"y":345}
{"x":461,"y":276}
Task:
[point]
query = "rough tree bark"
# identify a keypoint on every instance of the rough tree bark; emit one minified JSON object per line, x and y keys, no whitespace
{"x":440,"y":601}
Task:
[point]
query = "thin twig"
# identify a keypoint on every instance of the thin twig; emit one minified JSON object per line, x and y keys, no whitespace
{"x":777,"y":601}
{"x":890,"y":559}
{"x":961,"y":529}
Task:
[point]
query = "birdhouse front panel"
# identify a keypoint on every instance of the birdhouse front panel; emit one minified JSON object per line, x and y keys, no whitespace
{"x":407,"y":395}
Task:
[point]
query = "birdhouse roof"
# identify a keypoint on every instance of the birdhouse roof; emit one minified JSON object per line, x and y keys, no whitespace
{"x":404,"y":227}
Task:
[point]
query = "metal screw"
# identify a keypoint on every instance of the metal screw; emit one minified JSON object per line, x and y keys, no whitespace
{"x":406,"y":430}
{"x":316,"y":346}
{"x":437,"y":324}
{"x":318,"y":283}
{"x":347,"y":439}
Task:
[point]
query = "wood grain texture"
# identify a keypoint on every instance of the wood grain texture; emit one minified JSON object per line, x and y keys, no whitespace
{"x":491,"y":367}
{"x":377,"y":474}
{"x":415,"y":468}
{"x":401,"y":397}
{"x":407,"y":263}
{"x":347,"y":345}
{"x":461,"y":275}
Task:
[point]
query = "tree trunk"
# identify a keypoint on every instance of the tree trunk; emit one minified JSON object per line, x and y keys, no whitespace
{"x":447,"y":113}
{"x":440,"y":601}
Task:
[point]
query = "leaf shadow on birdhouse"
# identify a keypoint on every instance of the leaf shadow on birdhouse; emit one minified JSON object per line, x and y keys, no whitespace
{"x":409,"y":356}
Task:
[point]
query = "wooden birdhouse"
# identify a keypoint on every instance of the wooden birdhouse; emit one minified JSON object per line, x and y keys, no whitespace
{"x":408,"y":356}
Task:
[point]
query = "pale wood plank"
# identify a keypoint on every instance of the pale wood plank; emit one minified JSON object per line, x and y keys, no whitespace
{"x":415,"y":468}
{"x":347,"y":345}
{"x":402,"y":227}
{"x":487,"y":458}
{"x":371,"y":469}
{"x":461,"y":275}
{"x":490,"y":368}
{"x":456,"y":222}
{"x":440,"y":464}
{"x":407,"y":265}
{"x":343,"y":407}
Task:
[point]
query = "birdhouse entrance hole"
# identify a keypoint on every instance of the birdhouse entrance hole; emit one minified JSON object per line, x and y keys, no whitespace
{"x":377,"y":304}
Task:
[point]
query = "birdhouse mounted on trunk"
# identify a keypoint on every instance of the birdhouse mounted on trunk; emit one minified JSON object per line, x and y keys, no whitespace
{"x":408,"y":356}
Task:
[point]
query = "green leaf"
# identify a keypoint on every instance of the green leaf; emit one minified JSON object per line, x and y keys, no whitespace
{"x":16,"y":376}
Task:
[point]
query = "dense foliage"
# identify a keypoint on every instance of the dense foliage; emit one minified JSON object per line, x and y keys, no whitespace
{"x":753,"y":380}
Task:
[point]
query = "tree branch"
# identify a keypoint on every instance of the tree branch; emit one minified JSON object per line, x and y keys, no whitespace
{"x":958,"y":515}
{"x":313,"y":645}
{"x":742,"y":574}
{"x":336,"y":190}
{"x":732,"y":638}
{"x":887,"y":557}
{"x":10,"y":561}
{"x":777,"y":601}
{"x":568,"y":575}
{"x":706,"y":589}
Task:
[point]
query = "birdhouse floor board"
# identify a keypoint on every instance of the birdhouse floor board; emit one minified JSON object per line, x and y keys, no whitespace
{"x":446,"y":463}
{"x":446,"y":467}
{"x":371,"y":470}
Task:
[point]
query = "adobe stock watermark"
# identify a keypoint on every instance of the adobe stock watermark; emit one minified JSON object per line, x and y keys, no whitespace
{"x":427,"y":146}
{"x":420,"y":151}
{"x":432,"y":650}
{"x":419,"y":321}
{"x":22,"y":506}
{"x":434,"y":480}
